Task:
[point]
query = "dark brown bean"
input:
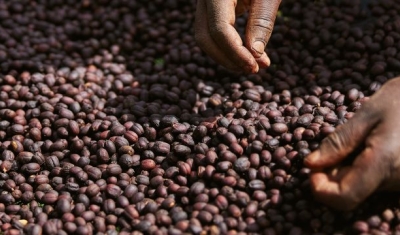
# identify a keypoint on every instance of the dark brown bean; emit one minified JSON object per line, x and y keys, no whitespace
{"x":50,"y":227}
{"x":113,"y":190}
{"x":161,"y":147}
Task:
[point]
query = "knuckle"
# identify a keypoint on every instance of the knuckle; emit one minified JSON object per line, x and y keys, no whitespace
{"x":217,"y":30}
{"x":264,"y":23}
{"x":335,"y":141}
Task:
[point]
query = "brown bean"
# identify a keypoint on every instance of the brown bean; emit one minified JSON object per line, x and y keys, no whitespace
{"x":31,"y":168}
{"x":279,"y":128}
{"x":221,"y":202}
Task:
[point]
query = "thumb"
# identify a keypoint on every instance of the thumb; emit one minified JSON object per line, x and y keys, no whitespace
{"x":350,"y":185}
{"x":346,"y":138}
{"x":260,"y":24}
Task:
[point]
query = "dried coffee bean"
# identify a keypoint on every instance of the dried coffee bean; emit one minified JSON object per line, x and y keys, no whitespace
{"x":148,"y":164}
{"x":63,"y":206}
{"x":31,"y":168}
{"x":114,"y":169}
{"x":52,"y":162}
{"x":181,"y":150}
{"x":242,"y":164}
{"x":305,"y":120}
{"x":49,"y":198}
{"x":161,"y":147}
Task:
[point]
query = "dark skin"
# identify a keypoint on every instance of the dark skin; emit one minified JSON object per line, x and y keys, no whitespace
{"x":373,"y":128}
{"x":216,"y":35}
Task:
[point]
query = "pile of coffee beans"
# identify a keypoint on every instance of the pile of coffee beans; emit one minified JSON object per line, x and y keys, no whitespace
{"x":113,"y":121}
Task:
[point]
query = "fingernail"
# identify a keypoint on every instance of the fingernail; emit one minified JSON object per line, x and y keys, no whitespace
{"x":312,"y":158}
{"x":258,"y":46}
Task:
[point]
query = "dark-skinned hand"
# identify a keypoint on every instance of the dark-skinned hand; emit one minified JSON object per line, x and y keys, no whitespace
{"x":375,"y":128}
{"x":216,"y":35}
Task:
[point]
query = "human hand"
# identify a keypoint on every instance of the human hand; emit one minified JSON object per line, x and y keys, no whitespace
{"x":375,"y":129}
{"x":216,"y":35}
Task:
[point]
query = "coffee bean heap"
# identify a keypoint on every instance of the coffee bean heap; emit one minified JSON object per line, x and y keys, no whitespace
{"x":113,"y":121}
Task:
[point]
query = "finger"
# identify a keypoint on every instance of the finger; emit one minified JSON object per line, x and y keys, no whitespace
{"x":260,"y":25}
{"x":204,"y":40}
{"x":221,"y":17}
{"x":351,"y":184}
{"x":263,"y":61}
{"x":343,"y":141}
